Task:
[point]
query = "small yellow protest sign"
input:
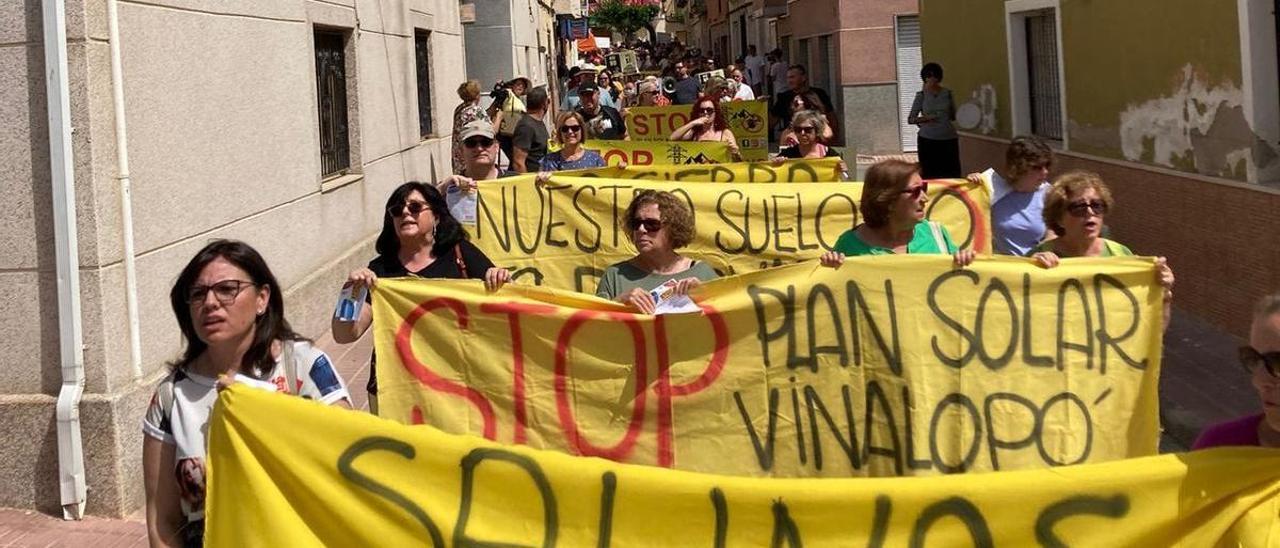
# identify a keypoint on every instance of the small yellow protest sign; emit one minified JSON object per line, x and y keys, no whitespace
{"x":372,"y":482}
{"x":887,"y":366}
{"x":564,"y":233}
{"x":645,"y":153}
{"x":748,"y":120}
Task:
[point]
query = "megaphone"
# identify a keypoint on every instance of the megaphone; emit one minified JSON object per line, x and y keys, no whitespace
{"x":669,"y":85}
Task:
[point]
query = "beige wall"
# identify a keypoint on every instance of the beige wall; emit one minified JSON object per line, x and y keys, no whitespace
{"x":223,"y":143}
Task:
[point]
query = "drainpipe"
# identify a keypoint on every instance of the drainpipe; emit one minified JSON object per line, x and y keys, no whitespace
{"x":71,"y":478}
{"x":126,"y":199}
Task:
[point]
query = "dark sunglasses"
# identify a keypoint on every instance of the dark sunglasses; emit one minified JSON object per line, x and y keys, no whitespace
{"x":650,"y":225}
{"x":706,"y":110}
{"x":413,"y":207}
{"x":1081,"y":209}
{"x":482,"y":142}
{"x":570,"y":129}
{"x":224,"y":291}
{"x":804,"y":130}
{"x":1252,"y":359}
{"x":917,"y":190}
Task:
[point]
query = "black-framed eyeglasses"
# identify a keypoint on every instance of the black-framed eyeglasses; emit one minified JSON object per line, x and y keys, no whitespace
{"x":1082,"y":209}
{"x":414,"y":208}
{"x":804,"y":130}
{"x":570,"y":129}
{"x":650,"y":225}
{"x":1252,"y":359}
{"x":917,"y":190}
{"x":224,"y":291}
{"x":482,"y":142}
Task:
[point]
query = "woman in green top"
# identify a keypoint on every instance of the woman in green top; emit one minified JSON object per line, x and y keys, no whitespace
{"x":893,"y":206}
{"x":658,"y":224}
{"x":1074,"y":210}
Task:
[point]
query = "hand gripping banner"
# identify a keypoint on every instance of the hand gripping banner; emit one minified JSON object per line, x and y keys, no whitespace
{"x":289,"y":472}
{"x":887,"y":366}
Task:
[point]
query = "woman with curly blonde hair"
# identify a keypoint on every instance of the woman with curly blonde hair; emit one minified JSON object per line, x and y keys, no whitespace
{"x":658,"y":223}
{"x":465,"y":113}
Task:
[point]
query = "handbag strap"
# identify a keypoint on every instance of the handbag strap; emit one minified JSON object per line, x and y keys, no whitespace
{"x":457,"y":258}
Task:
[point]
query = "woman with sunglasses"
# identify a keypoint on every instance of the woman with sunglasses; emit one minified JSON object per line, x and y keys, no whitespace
{"x":1075,"y":208}
{"x":608,"y":92}
{"x":808,"y":126}
{"x":1262,"y":360}
{"x":801,"y":102}
{"x":893,"y":207}
{"x":419,"y":238}
{"x":231,"y":313}
{"x":573,"y":153}
{"x":658,"y":223}
{"x":707,"y":123}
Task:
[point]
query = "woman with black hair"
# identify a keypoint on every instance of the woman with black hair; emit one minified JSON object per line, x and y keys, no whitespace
{"x":934,"y":111}
{"x":419,"y":238}
{"x":229,"y":308}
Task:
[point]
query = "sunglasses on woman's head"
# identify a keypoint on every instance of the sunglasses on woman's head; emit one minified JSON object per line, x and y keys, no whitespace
{"x":917,"y":190}
{"x":1252,"y":359}
{"x":413,"y":207}
{"x":650,"y":225}
{"x":570,"y":129}
{"x":1081,"y":209}
{"x":482,"y":142}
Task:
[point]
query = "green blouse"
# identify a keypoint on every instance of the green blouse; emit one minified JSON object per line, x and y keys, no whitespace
{"x":928,"y":238}
{"x":1110,"y":248}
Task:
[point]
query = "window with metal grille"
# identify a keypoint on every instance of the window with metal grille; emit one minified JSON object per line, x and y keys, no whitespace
{"x":1042,"y":76}
{"x":331,"y":87}
{"x":422,"y":52}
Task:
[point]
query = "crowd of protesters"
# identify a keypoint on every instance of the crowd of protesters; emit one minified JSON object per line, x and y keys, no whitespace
{"x":228,"y":304}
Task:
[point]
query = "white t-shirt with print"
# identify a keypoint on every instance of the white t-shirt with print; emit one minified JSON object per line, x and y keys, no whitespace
{"x":185,"y":423}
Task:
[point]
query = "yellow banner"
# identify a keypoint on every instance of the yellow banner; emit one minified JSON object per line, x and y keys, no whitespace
{"x":826,"y":170}
{"x":369,"y":482}
{"x":887,"y":366}
{"x":564,"y":233}
{"x":749,"y":121}
{"x":645,"y":153}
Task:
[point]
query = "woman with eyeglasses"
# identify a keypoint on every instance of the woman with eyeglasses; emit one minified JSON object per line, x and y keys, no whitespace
{"x":707,"y":123}
{"x":658,"y":223}
{"x":231,"y":313}
{"x":608,"y":92}
{"x":1075,"y":208}
{"x":419,"y":238}
{"x":808,"y":126}
{"x":893,"y":207}
{"x":573,"y":153}
{"x":1261,"y":359}
{"x":1018,"y":196}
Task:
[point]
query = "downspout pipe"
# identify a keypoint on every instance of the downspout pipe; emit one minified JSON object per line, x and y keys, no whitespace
{"x":71,"y":476}
{"x":126,"y":198}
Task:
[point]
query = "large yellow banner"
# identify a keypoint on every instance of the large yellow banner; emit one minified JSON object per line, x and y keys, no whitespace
{"x":646,"y":153}
{"x":369,"y":482}
{"x":749,"y":121}
{"x":887,"y":366}
{"x":564,"y":233}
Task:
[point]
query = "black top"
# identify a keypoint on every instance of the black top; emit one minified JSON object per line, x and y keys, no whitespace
{"x":794,"y":152}
{"x":686,"y":92}
{"x":473,"y":259}
{"x":531,"y":135}
{"x":618,"y":125}
{"x":781,"y":108}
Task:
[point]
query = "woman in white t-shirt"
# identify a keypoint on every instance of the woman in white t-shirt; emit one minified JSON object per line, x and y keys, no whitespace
{"x":229,"y":308}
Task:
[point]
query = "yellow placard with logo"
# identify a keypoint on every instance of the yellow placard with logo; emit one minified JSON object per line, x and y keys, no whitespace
{"x":824,"y":170}
{"x":648,"y":153}
{"x":886,"y":366}
{"x":370,"y":482}
{"x":564,"y":233}
{"x":749,"y":121}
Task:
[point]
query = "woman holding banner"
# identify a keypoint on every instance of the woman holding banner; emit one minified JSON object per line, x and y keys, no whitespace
{"x":893,"y":206}
{"x":1261,"y":358}
{"x":231,"y":313}
{"x":808,"y":126}
{"x":419,"y":238}
{"x":658,"y":223}
{"x":806,"y":101}
{"x":573,"y":154}
{"x":1075,"y":208}
{"x":707,"y":123}
{"x":1018,"y":196}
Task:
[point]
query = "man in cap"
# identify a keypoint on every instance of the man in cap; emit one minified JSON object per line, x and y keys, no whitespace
{"x":602,"y":122}
{"x":479,"y":158}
